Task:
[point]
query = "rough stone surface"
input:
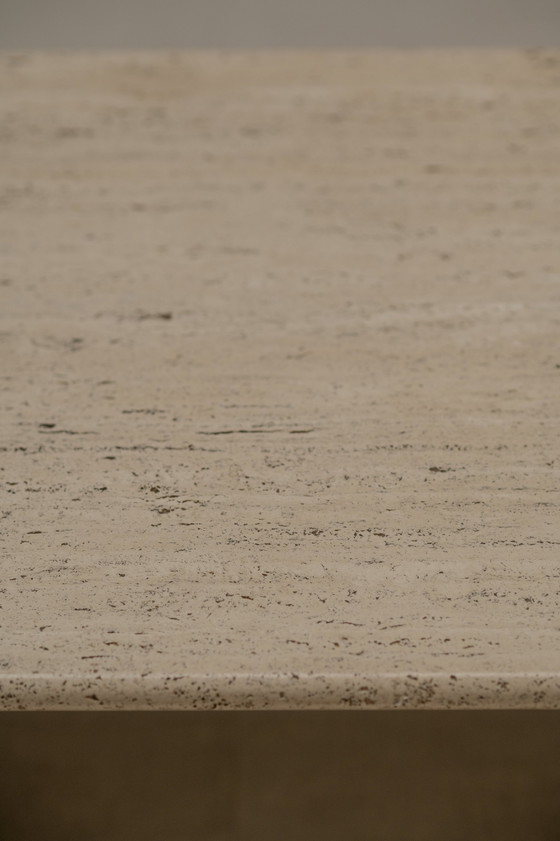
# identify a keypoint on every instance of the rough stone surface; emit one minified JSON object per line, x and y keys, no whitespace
{"x":280,"y":380}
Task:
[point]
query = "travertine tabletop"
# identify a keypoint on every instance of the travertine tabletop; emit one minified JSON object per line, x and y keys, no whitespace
{"x":280,"y":365}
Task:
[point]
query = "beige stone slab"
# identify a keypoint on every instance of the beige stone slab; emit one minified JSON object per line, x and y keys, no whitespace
{"x":280,"y":380}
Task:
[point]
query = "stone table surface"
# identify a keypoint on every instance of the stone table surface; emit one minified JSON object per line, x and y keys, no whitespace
{"x":280,"y":377}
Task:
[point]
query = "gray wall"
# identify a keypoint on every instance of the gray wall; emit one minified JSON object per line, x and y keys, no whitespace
{"x":110,"y":24}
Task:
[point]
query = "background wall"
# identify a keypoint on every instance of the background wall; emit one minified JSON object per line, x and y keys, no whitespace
{"x":136,"y":24}
{"x":361,"y":775}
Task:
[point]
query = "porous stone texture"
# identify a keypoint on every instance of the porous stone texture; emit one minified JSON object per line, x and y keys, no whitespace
{"x":280,"y":380}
